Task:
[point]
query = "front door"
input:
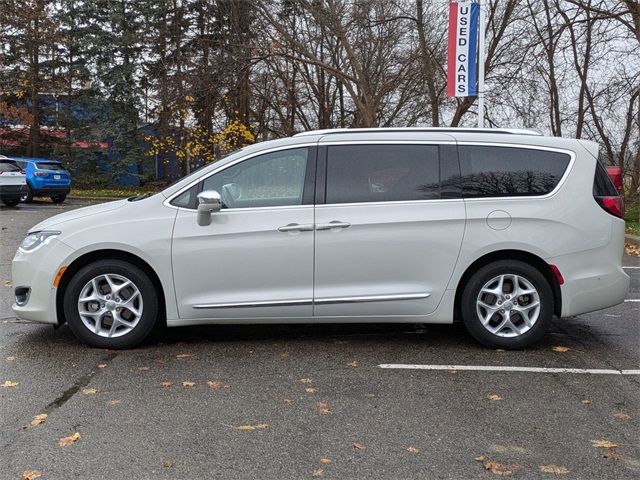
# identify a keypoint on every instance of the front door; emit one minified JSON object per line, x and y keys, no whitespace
{"x":255,"y":259}
{"x":390,"y":230}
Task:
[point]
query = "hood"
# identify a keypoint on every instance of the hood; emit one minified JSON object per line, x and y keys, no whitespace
{"x":56,"y":220}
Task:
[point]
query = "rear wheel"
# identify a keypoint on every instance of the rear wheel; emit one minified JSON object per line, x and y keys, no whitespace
{"x":58,"y":198}
{"x":27,"y":196}
{"x":507,"y":304}
{"x":10,"y":201}
{"x":111,"y":304}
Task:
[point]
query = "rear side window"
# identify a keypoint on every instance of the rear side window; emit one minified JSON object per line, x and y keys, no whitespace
{"x":382,"y":173}
{"x":489,"y":171}
{"x":602,"y":184}
{"x":50,"y":166}
{"x":9,"y":166}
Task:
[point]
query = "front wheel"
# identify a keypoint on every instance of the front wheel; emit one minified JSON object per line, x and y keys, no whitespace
{"x":507,"y":304}
{"x":11,"y":201}
{"x":111,"y":304}
{"x":58,"y":198}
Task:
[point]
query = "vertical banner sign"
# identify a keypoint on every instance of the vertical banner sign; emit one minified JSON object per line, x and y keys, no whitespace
{"x":462,"y":57}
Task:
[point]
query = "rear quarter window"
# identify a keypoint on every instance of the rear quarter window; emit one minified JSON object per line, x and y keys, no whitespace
{"x":493,"y":171}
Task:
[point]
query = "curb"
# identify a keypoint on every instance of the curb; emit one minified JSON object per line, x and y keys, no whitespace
{"x":632,"y":239}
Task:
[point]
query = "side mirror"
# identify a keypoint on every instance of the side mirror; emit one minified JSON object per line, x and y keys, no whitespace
{"x":209,"y":201}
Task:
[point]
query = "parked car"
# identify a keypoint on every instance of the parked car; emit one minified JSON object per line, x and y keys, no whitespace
{"x":45,"y":178}
{"x":501,"y":229}
{"x":12,"y":182}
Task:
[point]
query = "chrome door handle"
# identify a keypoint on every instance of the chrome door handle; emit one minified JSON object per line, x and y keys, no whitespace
{"x":333,"y":224}
{"x":296,"y":227}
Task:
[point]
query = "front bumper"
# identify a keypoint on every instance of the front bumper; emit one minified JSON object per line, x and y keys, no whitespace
{"x":36,"y":271}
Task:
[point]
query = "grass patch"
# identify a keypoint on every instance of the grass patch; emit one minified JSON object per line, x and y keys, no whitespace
{"x":118,"y":192}
{"x":632,"y":216}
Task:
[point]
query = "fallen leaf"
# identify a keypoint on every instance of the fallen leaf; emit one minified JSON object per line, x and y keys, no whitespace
{"x":622,"y":416}
{"x":353,"y":364}
{"x":317,"y":473}
{"x":89,"y":391}
{"x":9,"y":384}
{"x":31,"y":474}
{"x":10,"y":359}
{"x":500,"y":469}
{"x":216,"y":384}
{"x":168,"y":463}
{"x":560,"y":349}
{"x":288,"y":401}
{"x":358,"y":446}
{"x":323,"y":409}
{"x":412,"y":450}
{"x":143,"y":369}
{"x":585,"y":402}
{"x":260,"y":426}
{"x":63,"y":442}
{"x":631,"y":249}
{"x":284,"y":355}
{"x":612,"y":455}
{"x":184,"y":355}
{"x":39,"y":419}
{"x":452,"y":370}
{"x":114,"y":402}
{"x":603,"y":444}
{"x":7,"y":284}
{"x":166,"y":384}
{"x":187,"y":383}
{"x":493,"y":397}
{"x":102,"y":365}
{"x":500,"y":350}
{"x":555,"y":469}
{"x":305,"y":380}
{"x":340,"y":342}
{"x":479,"y":458}
{"x":325,"y":461}
{"x":310,"y":390}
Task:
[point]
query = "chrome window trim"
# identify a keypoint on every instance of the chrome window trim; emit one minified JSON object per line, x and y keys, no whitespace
{"x":322,"y":142}
{"x":319,"y":301}
{"x":168,"y":201}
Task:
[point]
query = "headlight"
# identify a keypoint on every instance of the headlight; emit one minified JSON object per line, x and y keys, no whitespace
{"x":37,"y":239}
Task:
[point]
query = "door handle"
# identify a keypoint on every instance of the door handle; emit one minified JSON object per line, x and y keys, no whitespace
{"x":296,"y":227}
{"x":331,"y":225}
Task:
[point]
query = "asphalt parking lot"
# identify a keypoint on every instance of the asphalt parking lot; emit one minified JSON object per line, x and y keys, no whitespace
{"x":289,"y":402}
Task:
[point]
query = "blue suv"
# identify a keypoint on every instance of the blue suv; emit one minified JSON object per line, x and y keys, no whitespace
{"x":45,"y":178}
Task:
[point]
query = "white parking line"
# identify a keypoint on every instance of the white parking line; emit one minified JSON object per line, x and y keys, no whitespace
{"x":497,"y":368}
{"x":631,"y":268}
{"x":632,"y":300}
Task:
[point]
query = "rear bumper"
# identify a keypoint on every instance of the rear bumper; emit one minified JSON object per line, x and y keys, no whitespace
{"x":594,"y":279}
{"x":13,"y":189}
{"x":46,"y":191}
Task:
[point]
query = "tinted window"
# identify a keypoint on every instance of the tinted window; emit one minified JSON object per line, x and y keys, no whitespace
{"x":186,"y":199}
{"x":507,"y":171}
{"x":602,"y":184}
{"x":382,"y":173}
{"x":49,"y":166}
{"x":272,"y":179}
{"x":9,"y":166}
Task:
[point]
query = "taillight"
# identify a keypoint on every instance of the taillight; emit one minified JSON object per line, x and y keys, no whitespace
{"x":612,"y":205}
{"x":615,"y":173}
{"x":21,"y":172}
{"x":40,"y":174}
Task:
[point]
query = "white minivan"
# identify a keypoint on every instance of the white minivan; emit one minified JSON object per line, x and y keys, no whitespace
{"x":501,"y":229}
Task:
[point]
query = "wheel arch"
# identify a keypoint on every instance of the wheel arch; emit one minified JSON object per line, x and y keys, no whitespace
{"x":524,"y":256}
{"x":103,"y":254}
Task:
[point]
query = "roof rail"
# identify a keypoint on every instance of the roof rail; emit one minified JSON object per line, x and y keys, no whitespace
{"x":513,"y":131}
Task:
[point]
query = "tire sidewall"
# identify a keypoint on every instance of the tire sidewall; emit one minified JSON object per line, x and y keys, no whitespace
{"x":480,"y":278}
{"x":10,"y":201}
{"x":118,"y":267}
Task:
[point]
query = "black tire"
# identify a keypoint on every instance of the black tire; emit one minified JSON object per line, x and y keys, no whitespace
{"x":485,"y":274}
{"x":10,"y":201}
{"x":58,"y":198}
{"x":147,"y":290}
{"x":27,"y":197}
